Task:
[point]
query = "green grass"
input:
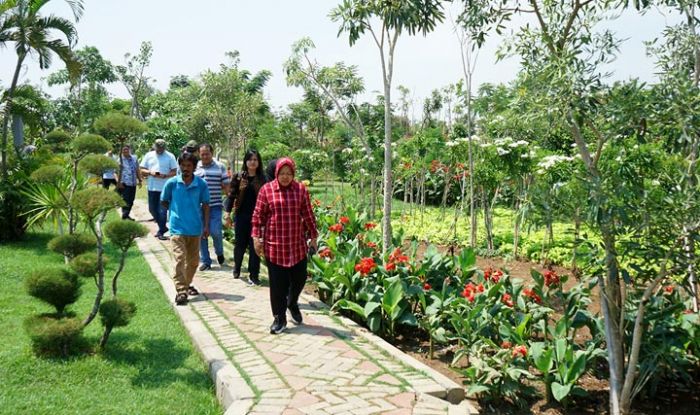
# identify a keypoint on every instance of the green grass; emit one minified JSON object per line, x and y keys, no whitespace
{"x":149,"y":367}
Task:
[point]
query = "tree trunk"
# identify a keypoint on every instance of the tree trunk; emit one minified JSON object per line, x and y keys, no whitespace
{"x":373,"y":196}
{"x":516,"y":229}
{"x":72,"y":220}
{"x":577,"y":237}
{"x":122,"y":259}
{"x":105,"y":337}
{"x":472,"y":210}
{"x":386,"y":211}
{"x":487,"y":222}
{"x":97,"y":230}
{"x":8,"y":111}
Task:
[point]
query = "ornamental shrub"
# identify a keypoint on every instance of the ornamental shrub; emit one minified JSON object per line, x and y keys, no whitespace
{"x":97,"y":164}
{"x":94,"y":201}
{"x":56,"y":286}
{"x":57,"y":141}
{"x":85,"y":265}
{"x":72,"y":245}
{"x":123,"y":232}
{"x":115,"y":313}
{"x":55,"y":337}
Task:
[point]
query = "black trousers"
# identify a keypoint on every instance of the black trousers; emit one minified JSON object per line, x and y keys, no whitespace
{"x":244,"y":241}
{"x":128,"y":193}
{"x":107,"y":182}
{"x":286,"y":284}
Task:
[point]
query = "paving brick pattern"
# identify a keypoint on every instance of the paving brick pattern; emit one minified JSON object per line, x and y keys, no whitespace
{"x":327,"y":365}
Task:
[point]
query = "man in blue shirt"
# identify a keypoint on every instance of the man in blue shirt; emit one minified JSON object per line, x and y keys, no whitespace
{"x":186,"y":197}
{"x":158,"y":165}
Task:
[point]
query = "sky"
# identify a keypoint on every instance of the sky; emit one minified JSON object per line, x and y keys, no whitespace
{"x":191,"y":37}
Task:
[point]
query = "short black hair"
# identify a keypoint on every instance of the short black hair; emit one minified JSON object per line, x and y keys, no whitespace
{"x":270,"y":170}
{"x":207,"y":145}
{"x":187,"y":156}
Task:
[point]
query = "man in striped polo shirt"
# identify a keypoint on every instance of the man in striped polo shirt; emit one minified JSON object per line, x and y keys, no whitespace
{"x":214,"y":173}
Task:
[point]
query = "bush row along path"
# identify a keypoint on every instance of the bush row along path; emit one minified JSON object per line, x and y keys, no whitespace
{"x":327,"y":365}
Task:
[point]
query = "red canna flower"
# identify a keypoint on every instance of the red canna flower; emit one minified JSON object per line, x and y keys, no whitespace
{"x":527,"y":292}
{"x":507,"y":300}
{"x":519,"y":351}
{"x":426,"y":287}
{"x":480,"y":288}
{"x":344,"y":220}
{"x":397,"y":256}
{"x":325,"y":253}
{"x":506,"y":344}
{"x":337,"y":228}
{"x":370,"y":226}
{"x":487,"y":273}
{"x":668,"y":289}
{"x":316,"y":203}
{"x":371,"y":245}
{"x":365,"y":266}
{"x":390,"y":266}
{"x":551,"y":278}
{"x":496,"y":276}
{"x":469,"y":292}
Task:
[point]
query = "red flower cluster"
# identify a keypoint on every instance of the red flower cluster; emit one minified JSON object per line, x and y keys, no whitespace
{"x":436,"y":165}
{"x":470,"y":290}
{"x":551,"y":278}
{"x":365,"y":266}
{"x":493,"y":275}
{"x":370,"y":226}
{"x":390,"y":266}
{"x":668,"y":289}
{"x":337,"y":228}
{"x":426,"y":287}
{"x":316,"y":203}
{"x":507,"y":300}
{"x":527,"y":292}
{"x":397,"y":256}
{"x":325,"y":253}
{"x":407,"y":165}
{"x":506,"y":344}
{"x":519,"y":351}
{"x":344,"y":220}
{"x":371,"y":245}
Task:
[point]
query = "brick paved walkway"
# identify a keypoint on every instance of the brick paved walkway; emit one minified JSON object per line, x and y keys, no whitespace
{"x":328,"y":365}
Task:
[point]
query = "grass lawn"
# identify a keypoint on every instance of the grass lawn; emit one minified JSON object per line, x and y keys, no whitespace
{"x":150,"y":366}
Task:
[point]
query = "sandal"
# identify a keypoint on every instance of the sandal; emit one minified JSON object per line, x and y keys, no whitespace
{"x":181,"y":299}
{"x":192,"y":291}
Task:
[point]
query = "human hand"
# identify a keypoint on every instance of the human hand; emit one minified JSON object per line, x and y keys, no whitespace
{"x":120,"y":186}
{"x":258,"y":245}
{"x":313,"y":245}
{"x":205,"y":233}
{"x":229,"y":222}
{"x":243,"y":183}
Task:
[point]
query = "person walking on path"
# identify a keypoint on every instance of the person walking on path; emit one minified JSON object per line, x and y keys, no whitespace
{"x":158,"y":165}
{"x":282,"y":222}
{"x":130,"y":177}
{"x":109,"y":175}
{"x":241,"y":201}
{"x":186,"y":197}
{"x":214,"y":174}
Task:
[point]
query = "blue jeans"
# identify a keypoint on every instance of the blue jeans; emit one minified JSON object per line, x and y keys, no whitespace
{"x":159,"y":213}
{"x":216,"y":233}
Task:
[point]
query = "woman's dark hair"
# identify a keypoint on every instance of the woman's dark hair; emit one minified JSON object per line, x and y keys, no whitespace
{"x":249,"y":155}
{"x":186,"y":156}
{"x":270,"y":170}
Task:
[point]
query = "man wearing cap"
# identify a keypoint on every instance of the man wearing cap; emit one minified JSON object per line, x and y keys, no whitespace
{"x":191,"y":147}
{"x":158,"y":165}
{"x":214,"y":173}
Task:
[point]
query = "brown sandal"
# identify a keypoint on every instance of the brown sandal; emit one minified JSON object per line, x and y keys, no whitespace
{"x":192,"y":291}
{"x":181,"y":299}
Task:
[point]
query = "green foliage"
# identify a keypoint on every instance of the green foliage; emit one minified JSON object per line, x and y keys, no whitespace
{"x":55,"y":337}
{"x":116,"y":312}
{"x":56,"y":286}
{"x":97,"y":164}
{"x":85,"y":144}
{"x":46,"y":202}
{"x":119,"y":128}
{"x":57,"y":141}
{"x":72,"y":245}
{"x":13,"y":204}
{"x":51,"y":174}
{"x":85,"y":265}
{"x":122,"y":233}
{"x":95,"y":201}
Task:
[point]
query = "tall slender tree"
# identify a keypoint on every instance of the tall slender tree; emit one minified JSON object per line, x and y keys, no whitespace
{"x":386,"y":21}
{"x":35,"y":34}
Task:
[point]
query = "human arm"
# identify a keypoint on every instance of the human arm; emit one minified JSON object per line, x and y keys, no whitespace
{"x":167,"y":194}
{"x":307,"y":216}
{"x":205,"y":199}
{"x":205,"y":210}
{"x":260,"y":217}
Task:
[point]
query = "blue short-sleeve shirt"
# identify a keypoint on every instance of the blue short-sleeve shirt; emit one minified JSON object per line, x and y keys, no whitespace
{"x":185,"y":209}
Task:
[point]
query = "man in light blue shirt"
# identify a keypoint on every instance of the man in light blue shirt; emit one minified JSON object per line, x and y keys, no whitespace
{"x":158,"y":165}
{"x":186,"y":197}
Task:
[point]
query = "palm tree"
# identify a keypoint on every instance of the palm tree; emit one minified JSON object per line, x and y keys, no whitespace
{"x":22,"y":23}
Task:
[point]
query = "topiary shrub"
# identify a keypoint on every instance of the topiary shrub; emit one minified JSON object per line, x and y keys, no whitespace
{"x":90,"y":144}
{"x":55,"y":337}
{"x":122,"y":233}
{"x":95,"y":201}
{"x":85,"y":265}
{"x":115,"y":313}
{"x":73,"y":245}
{"x":57,"y":141}
{"x":97,"y":164}
{"x":56,"y":286}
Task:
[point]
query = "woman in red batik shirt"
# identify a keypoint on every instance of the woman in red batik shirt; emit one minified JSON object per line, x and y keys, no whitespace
{"x":282,"y":222}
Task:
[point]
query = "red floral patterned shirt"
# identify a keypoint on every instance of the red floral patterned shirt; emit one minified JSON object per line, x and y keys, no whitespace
{"x":284,"y":219}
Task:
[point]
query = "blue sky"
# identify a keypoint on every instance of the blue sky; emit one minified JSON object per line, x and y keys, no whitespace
{"x":190,"y":37}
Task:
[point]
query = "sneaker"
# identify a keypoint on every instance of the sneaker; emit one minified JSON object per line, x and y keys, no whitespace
{"x":254,"y":281}
{"x":192,"y":291}
{"x":296,"y":314}
{"x":204,"y":267}
{"x":236,"y":274}
{"x":162,"y":237}
{"x":181,"y":299}
{"x":221,"y":259}
{"x":278,"y":326}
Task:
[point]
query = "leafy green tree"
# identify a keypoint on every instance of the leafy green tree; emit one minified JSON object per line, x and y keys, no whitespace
{"x":356,"y":18}
{"x":133,"y":76}
{"x":31,"y":32}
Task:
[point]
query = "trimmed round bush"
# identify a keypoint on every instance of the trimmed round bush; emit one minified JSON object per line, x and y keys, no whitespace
{"x":123,"y":232}
{"x":72,"y":245}
{"x":55,"y":337}
{"x":85,"y":265}
{"x":57,"y":140}
{"x":94,"y":201}
{"x":50,"y":174}
{"x":56,"y":286}
{"x":97,"y":164}
{"x":116,"y":312}
{"x":90,"y":144}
